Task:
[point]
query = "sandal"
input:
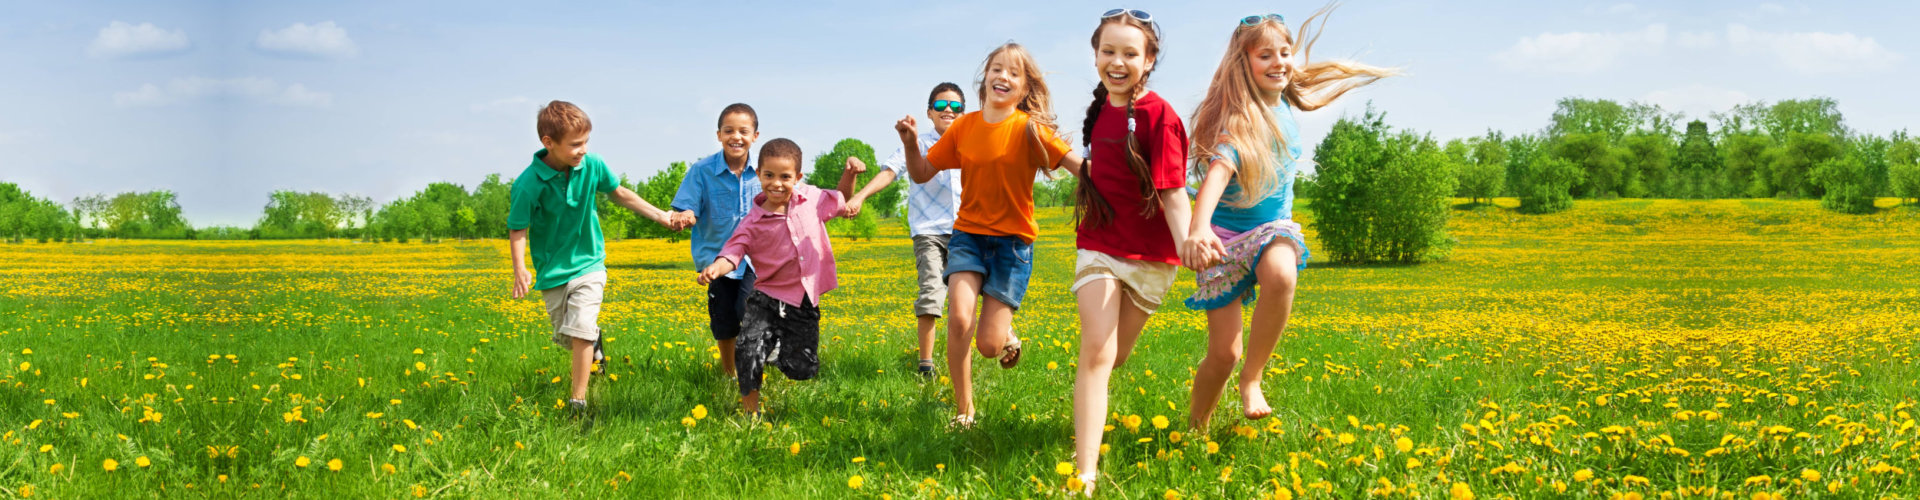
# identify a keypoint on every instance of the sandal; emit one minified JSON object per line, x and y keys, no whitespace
{"x":1010,"y":355}
{"x":926,"y":368}
{"x":1087,"y":481}
{"x":962,"y":422}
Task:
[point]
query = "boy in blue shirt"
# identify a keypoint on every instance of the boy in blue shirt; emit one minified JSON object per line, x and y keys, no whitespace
{"x":716,"y":194}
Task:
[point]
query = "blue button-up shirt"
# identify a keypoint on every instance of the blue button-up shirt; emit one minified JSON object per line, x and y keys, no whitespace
{"x":718,"y":200}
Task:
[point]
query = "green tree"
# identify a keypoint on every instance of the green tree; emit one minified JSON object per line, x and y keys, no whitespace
{"x":1850,"y":181}
{"x":1790,"y":164}
{"x":828,"y":166}
{"x":1603,"y":172}
{"x":1696,"y":163}
{"x":1743,"y":158}
{"x":1649,"y":165}
{"x":1547,"y":184}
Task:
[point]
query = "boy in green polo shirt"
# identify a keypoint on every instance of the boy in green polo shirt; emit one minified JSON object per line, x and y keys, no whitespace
{"x":553,"y":199}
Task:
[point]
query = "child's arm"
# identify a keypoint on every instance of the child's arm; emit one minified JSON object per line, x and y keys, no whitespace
{"x":517,"y":247}
{"x":918,"y":168}
{"x":879,"y":182}
{"x":1202,"y":248}
{"x":1179,"y":213}
{"x":632,"y":201}
{"x":849,"y":177}
{"x":1072,"y":160}
{"x":730,"y":255}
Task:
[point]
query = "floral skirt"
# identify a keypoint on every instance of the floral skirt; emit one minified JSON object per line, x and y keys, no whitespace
{"x":1234,"y":277}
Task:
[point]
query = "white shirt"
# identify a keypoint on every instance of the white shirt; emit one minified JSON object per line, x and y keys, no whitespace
{"x":933,"y":205}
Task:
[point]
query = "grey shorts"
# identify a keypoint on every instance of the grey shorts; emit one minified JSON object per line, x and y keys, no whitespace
{"x":930,"y":258}
{"x":574,"y":308}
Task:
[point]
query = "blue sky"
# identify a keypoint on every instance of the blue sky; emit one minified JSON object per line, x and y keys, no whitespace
{"x":224,"y":102}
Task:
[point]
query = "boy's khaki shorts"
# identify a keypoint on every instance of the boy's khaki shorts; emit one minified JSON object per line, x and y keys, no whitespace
{"x":574,"y":308}
{"x":930,"y":259}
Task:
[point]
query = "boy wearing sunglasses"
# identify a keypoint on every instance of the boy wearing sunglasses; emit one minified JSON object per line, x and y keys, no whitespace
{"x":931,"y":207}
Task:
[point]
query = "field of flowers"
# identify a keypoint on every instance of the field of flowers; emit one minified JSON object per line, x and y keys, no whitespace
{"x":1624,"y":349}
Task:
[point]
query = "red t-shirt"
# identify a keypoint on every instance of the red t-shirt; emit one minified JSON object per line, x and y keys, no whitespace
{"x":1163,"y":143}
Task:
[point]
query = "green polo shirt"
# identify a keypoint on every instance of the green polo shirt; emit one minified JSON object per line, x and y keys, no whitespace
{"x":557,"y":210}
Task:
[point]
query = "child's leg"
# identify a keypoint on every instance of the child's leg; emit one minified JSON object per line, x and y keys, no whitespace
{"x":582,"y":355}
{"x":1277,"y":273}
{"x":1100,"y":304}
{"x":726,"y":309}
{"x":963,"y":289}
{"x":930,"y":259}
{"x":755,"y":344}
{"x":927,"y":324}
{"x":797,"y":342}
{"x":995,"y":317}
{"x":1223,"y":352}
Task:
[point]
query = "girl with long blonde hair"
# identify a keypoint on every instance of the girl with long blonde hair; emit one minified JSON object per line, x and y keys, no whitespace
{"x":1245,"y":146}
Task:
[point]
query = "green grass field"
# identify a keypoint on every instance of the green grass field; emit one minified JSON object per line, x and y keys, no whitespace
{"x":1622,"y":349}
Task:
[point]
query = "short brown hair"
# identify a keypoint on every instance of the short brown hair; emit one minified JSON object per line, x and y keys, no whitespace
{"x":561,"y":118}
{"x":782,"y":149}
{"x":738,"y":107}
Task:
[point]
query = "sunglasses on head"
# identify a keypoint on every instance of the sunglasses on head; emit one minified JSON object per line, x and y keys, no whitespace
{"x":1251,"y":21}
{"x":951,"y":106}
{"x":1138,"y":15}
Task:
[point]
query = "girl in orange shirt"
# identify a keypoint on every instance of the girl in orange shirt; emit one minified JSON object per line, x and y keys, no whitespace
{"x":998,"y":149}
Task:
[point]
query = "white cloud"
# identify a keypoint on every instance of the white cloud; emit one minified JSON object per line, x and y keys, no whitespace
{"x":324,"y":40}
{"x":1814,"y":52}
{"x":1579,"y":52}
{"x":512,"y":105}
{"x":1697,"y":101}
{"x":120,"y":39}
{"x":255,"y":89}
{"x":1696,"y":40}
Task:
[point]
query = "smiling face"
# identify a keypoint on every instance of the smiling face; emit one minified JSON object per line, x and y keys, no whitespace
{"x":778,"y":176}
{"x":1005,"y":81}
{"x":1270,"y":60}
{"x":736,"y":136}
{"x":565,"y":152}
{"x":1121,"y":57}
{"x":944,"y":118}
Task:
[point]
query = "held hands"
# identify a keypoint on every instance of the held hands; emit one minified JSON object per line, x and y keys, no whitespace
{"x":681,"y":220}
{"x":1202,"y":249}
{"x":718,"y":269}
{"x":851,"y":208}
{"x":522,"y":280}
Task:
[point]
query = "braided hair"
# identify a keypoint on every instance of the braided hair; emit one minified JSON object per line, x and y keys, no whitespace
{"x":1090,"y":208}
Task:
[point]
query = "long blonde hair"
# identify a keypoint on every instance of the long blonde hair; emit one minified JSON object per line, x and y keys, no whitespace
{"x":1233,"y":112}
{"x":1037,"y":104}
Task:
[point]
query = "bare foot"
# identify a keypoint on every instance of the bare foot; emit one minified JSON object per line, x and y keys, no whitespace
{"x":1253,"y":402}
{"x":750,"y":403}
{"x":1199,"y":423}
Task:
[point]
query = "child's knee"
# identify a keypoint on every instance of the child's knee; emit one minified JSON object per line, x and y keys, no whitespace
{"x":1223,"y":355}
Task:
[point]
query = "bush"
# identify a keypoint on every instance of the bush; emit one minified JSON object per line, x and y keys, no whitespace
{"x":1848,"y":182}
{"x":1546,"y":184}
{"x":828,"y":166}
{"x":1381,"y":196}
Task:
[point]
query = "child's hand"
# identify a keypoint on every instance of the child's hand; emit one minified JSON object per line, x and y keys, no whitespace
{"x":1202,"y":250}
{"x":522,"y":280}
{"x":681,"y":220}
{"x":714,"y":271}
{"x":851,"y":208}
{"x":907,"y":127}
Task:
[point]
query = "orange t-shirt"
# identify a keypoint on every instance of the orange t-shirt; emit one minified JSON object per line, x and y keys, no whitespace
{"x":997,"y":162}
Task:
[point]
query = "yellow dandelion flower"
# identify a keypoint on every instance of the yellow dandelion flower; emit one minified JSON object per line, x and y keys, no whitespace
{"x":109,"y":465}
{"x":143,"y":461}
{"x":335,"y":465}
{"x":699,"y":412}
{"x":400,"y":448}
{"x":302,"y":462}
{"x":1810,"y":475}
{"x":1403,"y":444}
{"x":1063,"y":468}
{"x":1160,"y":422}
{"x":56,"y":468}
{"x":1582,"y":475}
{"x":855,"y":482}
{"x":1460,"y":491}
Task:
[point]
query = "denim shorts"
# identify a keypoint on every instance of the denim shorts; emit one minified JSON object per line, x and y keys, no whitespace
{"x":1004,"y":263}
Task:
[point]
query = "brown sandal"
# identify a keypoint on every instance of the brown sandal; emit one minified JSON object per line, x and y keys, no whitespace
{"x":1010,"y":354}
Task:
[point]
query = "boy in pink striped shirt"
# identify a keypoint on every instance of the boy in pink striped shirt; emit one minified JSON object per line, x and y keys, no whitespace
{"x":785,"y":234}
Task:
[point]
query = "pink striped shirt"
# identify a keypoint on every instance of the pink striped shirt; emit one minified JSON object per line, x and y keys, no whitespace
{"x":791,"y":256}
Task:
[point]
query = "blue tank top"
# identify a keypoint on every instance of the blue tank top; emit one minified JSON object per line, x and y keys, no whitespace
{"x":1277,"y":205}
